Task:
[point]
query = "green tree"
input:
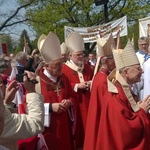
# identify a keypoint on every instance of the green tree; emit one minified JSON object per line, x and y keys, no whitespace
{"x":53,"y":15}
{"x":24,"y":39}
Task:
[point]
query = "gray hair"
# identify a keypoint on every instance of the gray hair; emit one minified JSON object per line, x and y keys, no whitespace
{"x":143,"y":38}
{"x":103,"y":59}
{"x":125,"y":68}
{"x":4,"y":62}
{"x":20,"y":56}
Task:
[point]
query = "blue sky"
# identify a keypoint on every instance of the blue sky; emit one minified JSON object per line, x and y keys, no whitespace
{"x":7,"y":7}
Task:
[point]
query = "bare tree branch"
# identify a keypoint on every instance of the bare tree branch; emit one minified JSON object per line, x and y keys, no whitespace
{"x":5,"y":23}
{"x":120,"y":11}
{"x":1,"y":2}
{"x":16,"y":22}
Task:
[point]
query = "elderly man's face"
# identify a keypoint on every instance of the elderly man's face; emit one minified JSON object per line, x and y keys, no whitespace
{"x":110,"y":64}
{"x":143,"y":45}
{"x":24,"y":61}
{"x":133,"y":74}
{"x":64,"y":57}
{"x":77,"y":57}
{"x":55,"y":67}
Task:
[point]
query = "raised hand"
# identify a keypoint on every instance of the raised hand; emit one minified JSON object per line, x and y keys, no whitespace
{"x":11,"y":91}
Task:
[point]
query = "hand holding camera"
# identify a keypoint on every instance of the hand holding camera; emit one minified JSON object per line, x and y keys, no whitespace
{"x":19,"y":78}
{"x":29,"y":81}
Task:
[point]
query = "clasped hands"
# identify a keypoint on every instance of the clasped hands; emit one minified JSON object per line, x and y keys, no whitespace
{"x":145,"y":104}
{"x":84,"y":85}
{"x":62,"y":106}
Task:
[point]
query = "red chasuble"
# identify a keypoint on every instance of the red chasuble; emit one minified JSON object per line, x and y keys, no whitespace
{"x":82,"y":102}
{"x":59,"y":134}
{"x":120,"y":127}
{"x":99,"y":87}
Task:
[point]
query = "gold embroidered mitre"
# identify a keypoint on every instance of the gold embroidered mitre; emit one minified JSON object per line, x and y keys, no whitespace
{"x":64,"y":49}
{"x":125,"y":57}
{"x":104,"y":49}
{"x":100,"y":43}
{"x":105,"y":46}
{"x":41,"y":41}
{"x":49,"y":47}
{"x":75,"y":42}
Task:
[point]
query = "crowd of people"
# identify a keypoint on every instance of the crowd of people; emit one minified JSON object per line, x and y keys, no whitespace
{"x":57,"y":99}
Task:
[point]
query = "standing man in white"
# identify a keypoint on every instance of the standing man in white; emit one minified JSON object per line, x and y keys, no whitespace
{"x":146,"y":68}
{"x":142,"y":54}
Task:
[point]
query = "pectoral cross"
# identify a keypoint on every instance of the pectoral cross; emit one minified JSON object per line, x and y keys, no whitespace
{"x":57,"y":90}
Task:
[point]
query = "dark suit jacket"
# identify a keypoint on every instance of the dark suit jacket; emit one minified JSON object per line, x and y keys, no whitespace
{"x":27,"y":67}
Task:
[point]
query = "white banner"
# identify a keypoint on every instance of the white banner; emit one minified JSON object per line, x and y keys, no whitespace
{"x":90,"y":34}
{"x":144,"y":27}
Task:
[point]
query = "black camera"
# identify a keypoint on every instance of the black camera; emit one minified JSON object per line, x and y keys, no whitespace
{"x":19,"y":77}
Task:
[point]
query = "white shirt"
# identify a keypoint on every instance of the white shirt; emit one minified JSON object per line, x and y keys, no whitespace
{"x":54,"y":79}
{"x":146,"y":68}
{"x":92,"y":62}
{"x":138,"y":87}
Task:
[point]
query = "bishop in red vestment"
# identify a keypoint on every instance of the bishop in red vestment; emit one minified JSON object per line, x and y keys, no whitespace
{"x":79,"y":75}
{"x":121,"y":127}
{"x":56,"y":89}
{"x":93,"y":119}
{"x":99,"y":87}
{"x":81,"y":102}
{"x":59,"y":134}
{"x":124,"y":121}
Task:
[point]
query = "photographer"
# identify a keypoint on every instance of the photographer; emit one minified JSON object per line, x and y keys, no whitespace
{"x":18,"y":126}
{"x":25,"y":62}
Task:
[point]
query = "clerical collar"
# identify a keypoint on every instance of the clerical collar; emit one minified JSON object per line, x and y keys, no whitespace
{"x":104,"y":70}
{"x":147,"y":57}
{"x":18,"y":64}
{"x":54,"y":79}
{"x":139,"y":51}
{"x":74,"y":63}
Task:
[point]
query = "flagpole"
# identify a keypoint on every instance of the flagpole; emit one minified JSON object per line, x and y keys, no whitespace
{"x":25,"y":46}
{"x":106,"y":12}
{"x":103,"y":2}
{"x":133,"y":39}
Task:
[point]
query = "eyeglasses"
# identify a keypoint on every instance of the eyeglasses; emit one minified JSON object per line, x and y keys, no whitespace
{"x":145,"y":44}
{"x":80,"y":54}
{"x":110,"y":58}
{"x":137,"y":69}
